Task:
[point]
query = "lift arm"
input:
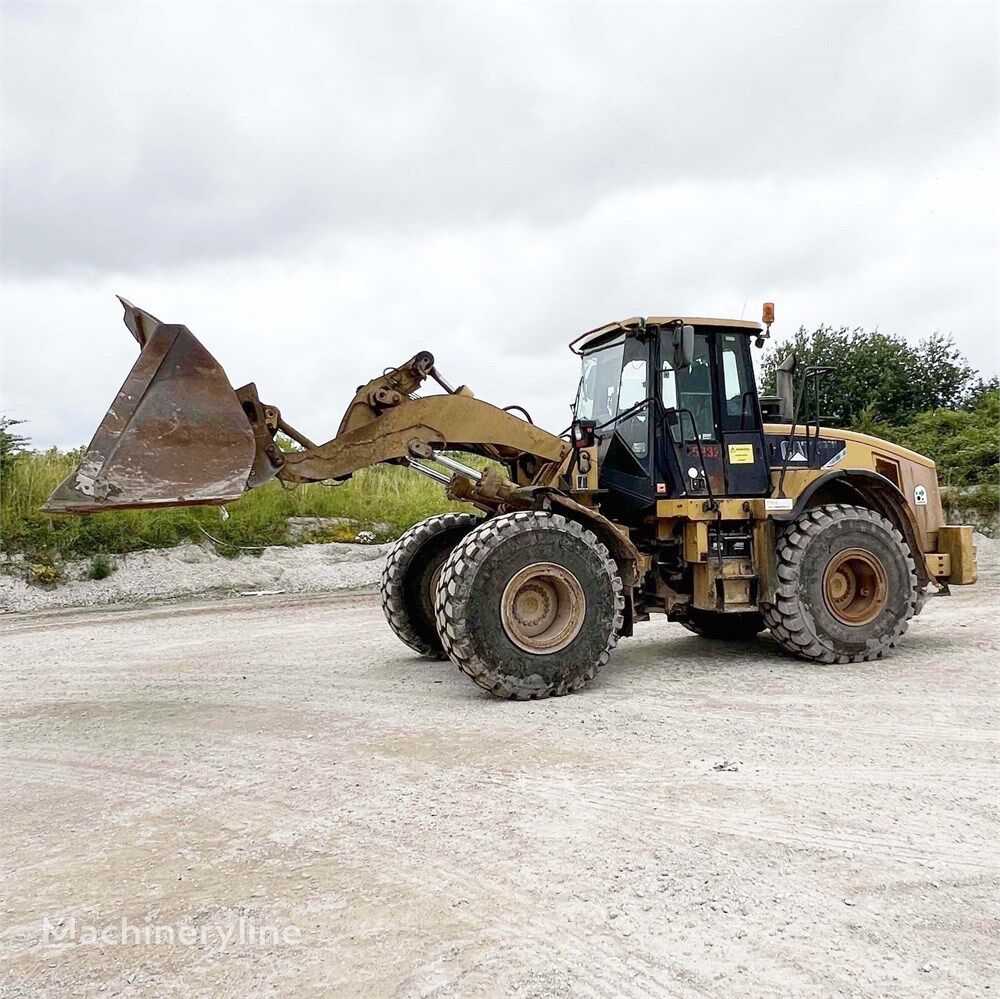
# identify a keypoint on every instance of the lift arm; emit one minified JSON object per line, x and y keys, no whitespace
{"x":179,"y":434}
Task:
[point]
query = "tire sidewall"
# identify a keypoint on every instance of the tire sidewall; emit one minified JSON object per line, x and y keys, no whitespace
{"x":418,"y":570}
{"x":478,"y":607}
{"x":873,"y":537}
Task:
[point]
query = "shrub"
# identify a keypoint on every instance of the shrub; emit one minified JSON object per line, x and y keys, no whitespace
{"x":101,"y":567}
{"x":965,"y":443}
{"x":45,"y":574}
{"x":882,"y":373}
{"x":11,"y":445}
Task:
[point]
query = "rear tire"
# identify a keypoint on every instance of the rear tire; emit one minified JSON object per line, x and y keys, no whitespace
{"x":847,"y":586}
{"x":410,"y":573}
{"x":742,"y":627}
{"x":529,"y":605}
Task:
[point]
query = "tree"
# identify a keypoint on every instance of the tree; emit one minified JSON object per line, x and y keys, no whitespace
{"x":11,"y":444}
{"x":878,"y":374}
{"x":964,"y":443}
{"x":983,"y":392}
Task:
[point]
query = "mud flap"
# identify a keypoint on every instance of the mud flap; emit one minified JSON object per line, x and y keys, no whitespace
{"x":175,"y":435}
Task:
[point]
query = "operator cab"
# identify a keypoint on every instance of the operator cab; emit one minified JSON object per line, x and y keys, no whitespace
{"x":675,"y":410}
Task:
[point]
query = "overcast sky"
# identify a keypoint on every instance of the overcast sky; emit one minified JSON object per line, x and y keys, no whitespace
{"x":319,"y":191}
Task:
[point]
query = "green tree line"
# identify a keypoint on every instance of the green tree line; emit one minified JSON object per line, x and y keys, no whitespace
{"x":924,"y":396}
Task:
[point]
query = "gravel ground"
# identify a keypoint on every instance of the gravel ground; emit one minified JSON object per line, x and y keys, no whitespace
{"x":192,"y":570}
{"x":704,"y":820}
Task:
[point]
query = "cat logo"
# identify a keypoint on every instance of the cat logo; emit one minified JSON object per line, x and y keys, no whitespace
{"x":798,"y":452}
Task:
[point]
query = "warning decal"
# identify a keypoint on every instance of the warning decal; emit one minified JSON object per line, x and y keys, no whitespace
{"x":741,"y":454}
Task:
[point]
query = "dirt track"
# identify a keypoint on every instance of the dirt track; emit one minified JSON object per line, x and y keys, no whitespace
{"x":704,"y":820}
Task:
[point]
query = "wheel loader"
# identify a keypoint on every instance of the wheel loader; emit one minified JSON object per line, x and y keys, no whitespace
{"x":675,"y":490}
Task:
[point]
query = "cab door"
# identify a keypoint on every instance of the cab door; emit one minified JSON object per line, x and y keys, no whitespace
{"x":626,"y":449}
{"x":741,"y":434}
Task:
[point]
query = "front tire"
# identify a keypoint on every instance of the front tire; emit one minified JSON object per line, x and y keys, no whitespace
{"x":530,"y":605}
{"x":410,"y":575}
{"x":847,"y":586}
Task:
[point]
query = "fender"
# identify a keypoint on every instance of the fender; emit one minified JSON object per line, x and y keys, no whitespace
{"x":873,"y":490}
{"x":620,"y":546}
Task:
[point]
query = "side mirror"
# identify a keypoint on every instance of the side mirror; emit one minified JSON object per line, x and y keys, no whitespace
{"x":683,"y":347}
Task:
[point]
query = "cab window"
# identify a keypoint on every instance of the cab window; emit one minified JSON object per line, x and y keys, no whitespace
{"x":633,"y":389}
{"x":691,"y":390}
{"x":634,"y":429}
{"x":737,"y":381}
{"x":597,"y":397}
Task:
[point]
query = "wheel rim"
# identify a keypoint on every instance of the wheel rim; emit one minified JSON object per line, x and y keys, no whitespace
{"x":433,"y":583}
{"x":543,"y":608}
{"x":855,"y":587}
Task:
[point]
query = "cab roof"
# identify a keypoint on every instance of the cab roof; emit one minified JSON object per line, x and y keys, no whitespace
{"x":591,"y":339}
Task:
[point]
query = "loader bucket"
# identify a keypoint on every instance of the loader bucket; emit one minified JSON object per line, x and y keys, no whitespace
{"x":175,"y":435}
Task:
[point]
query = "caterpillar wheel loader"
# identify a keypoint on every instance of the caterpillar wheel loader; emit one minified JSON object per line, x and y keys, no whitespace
{"x":676,"y":490}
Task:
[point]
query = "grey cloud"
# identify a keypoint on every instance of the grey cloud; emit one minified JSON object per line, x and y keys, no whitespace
{"x":155,"y":136}
{"x":320,"y":191}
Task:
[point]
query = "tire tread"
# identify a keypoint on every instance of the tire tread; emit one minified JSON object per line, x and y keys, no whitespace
{"x":791,"y":627}
{"x":392,"y":589}
{"x":458,"y":577}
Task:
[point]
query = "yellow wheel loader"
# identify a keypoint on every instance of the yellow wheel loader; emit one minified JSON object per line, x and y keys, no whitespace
{"x":677,"y":489}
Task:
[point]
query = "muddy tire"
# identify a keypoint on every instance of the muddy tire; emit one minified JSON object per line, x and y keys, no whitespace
{"x":725,"y":627}
{"x":407,"y":580}
{"x":530,"y":605}
{"x":847,"y":586}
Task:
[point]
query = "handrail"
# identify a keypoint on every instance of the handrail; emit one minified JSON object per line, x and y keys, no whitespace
{"x":814,"y":371}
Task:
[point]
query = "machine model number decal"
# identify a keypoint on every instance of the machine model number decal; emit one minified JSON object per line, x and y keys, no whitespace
{"x":778,"y":504}
{"x":803,"y":453}
{"x":741,"y":454}
{"x":920,"y":496}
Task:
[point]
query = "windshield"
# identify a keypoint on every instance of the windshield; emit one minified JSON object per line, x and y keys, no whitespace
{"x":597,"y":398}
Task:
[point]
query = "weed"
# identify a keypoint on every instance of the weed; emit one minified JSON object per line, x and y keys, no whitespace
{"x":101,"y":567}
{"x":43,"y":574}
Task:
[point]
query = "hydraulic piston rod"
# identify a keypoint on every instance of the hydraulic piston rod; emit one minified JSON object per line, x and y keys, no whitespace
{"x":431,"y":473}
{"x":457,"y":466}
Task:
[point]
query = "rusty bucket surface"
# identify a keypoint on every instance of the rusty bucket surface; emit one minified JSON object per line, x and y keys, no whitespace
{"x":175,"y":435}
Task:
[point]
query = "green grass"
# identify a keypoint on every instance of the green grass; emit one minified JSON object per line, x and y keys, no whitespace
{"x":390,"y":495}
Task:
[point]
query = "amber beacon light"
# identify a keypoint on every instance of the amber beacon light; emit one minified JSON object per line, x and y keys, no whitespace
{"x":768,"y":317}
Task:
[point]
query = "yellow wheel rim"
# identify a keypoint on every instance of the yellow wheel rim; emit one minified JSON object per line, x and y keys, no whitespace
{"x":543,"y":608}
{"x":855,"y":587}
